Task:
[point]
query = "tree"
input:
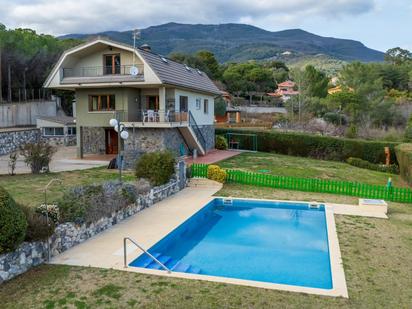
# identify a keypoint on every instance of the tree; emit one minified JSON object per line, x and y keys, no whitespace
{"x":315,"y":82}
{"x":220,"y":107}
{"x":398,"y":56}
{"x":202,"y":60}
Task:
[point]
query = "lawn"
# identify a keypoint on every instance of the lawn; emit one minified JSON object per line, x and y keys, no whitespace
{"x":308,"y":168}
{"x":377,"y":257}
{"x":28,"y":189}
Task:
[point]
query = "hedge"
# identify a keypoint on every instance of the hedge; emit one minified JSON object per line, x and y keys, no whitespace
{"x":318,"y":146}
{"x":404,"y":155}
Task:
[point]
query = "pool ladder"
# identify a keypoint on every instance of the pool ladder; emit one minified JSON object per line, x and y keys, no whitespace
{"x":125,"y":239}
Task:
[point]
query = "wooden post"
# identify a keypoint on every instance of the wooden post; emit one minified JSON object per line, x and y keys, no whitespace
{"x":388,"y":156}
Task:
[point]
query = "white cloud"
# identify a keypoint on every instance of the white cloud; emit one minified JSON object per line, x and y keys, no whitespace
{"x":68,"y":16}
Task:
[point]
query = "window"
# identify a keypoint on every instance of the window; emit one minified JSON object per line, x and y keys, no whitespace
{"x":99,"y":103}
{"x":183,"y":102}
{"x":53,"y":132}
{"x":71,"y":131}
{"x":206,"y":106}
{"x":198,"y":103}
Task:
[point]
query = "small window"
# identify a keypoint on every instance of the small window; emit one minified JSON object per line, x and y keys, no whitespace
{"x":198,"y":103}
{"x":53,"y":132}
{"x":206,"y":106}
{"x":71,"y":131}
{"x":99,"y":103}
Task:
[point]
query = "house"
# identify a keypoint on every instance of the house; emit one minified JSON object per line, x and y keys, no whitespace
{"x":163,"y":104}
{"x":285,"y":90}
{"x":232,"y":114}
{"x":58,"y":130}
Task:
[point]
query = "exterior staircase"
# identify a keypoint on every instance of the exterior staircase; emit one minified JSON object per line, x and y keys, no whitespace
{"x":193,"y":136}
{"x":169,"y":262}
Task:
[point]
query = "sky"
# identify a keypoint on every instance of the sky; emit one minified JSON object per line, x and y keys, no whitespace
{"x":379,"y":24}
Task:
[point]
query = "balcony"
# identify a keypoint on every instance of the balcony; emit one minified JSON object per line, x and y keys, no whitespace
{"x":101,"y":74}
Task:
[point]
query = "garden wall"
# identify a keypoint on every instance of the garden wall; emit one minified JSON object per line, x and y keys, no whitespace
{"x":12,"y":139}
{"x":67,"y":235}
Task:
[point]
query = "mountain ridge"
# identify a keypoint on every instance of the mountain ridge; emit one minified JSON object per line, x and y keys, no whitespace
{"x":233,"y":42}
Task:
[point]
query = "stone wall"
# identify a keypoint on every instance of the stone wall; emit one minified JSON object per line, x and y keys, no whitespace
{"x":69,"y":234}
{"x":94,"y":140}
{"x":209,"y":135}
{"x":150,"y":140}
{"x":60,"y":140}
{"x":11,"y":140}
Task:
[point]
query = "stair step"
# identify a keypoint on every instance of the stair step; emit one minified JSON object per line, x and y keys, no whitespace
{"x":147,"y":260}
{"x":171,"y":263}
{"x":181,"y":267}
{"x":193,"y":270}
{"x":163,"y":259}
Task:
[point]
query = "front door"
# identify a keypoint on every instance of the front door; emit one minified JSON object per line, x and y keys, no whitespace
{"x":111,"y":142}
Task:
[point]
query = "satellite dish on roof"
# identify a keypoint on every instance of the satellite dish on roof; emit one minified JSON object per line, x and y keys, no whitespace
{"x":134,"y":71}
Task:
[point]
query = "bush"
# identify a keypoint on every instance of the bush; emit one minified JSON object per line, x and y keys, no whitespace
{"x":393,"y":168}
{"x":156,"y":167}
{"x":215,"y":173}
{"x":221,"y":142}
{"x":351,"y":131}
{"x":13,"y":223}
{"x":37,"y":228}
{"x":89,"y":203}
{"x":317,"y":146}
{"x":404,"y":155}
{"x":37,"y":156}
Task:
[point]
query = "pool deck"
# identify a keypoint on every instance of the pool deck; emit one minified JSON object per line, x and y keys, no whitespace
{"x":105,"y":250}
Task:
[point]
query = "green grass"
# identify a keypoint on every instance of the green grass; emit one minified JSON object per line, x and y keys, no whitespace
{"x":28,"y":189}
{"x":308,"y":168}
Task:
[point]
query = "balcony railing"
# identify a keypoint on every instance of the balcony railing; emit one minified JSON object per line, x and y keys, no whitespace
{"x":153,"y":116}
{"x":97,"y":71}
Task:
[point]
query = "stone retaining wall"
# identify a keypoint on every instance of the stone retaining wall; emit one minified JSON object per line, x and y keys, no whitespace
{"x":67,"y":235}
{"x":11,"y":140}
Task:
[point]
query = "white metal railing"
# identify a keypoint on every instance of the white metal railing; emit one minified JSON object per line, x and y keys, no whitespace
{"x":145,"y":251}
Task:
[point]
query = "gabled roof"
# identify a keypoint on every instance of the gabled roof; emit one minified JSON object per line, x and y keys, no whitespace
{"x":168,"y":71}
{"x":173,"y":73}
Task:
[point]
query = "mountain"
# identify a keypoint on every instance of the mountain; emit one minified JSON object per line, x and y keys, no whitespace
{"x":239,"y":42}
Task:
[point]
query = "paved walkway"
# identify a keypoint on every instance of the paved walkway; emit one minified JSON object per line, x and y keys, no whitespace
{"x":213,"y":156}
{"x":63,"y":160}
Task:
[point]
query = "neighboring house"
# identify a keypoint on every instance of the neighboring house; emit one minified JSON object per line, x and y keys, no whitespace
{"x":59,"y":130}
{"x":285,"y":91}
{"x":232,"y":114}
{"x":164,"y":104}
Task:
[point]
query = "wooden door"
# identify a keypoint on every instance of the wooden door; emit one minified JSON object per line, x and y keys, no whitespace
{"x":111,"y":142}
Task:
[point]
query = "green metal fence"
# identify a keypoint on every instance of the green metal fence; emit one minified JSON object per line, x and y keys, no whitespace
{"x":401,"y":195}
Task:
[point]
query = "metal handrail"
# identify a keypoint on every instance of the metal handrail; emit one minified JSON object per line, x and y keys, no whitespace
{"x":145,"y":251}
{"x":196,"y":129}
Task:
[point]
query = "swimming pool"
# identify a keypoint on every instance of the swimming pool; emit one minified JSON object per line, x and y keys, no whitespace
{"x":267,"y":241}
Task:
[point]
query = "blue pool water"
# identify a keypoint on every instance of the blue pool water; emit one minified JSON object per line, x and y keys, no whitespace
{"x":283,"y":243}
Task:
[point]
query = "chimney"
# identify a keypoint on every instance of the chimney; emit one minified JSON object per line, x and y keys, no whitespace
{"x":146,"y":47}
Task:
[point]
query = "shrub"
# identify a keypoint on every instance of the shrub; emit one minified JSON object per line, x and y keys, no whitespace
{"x":37,"y":227}
{"x":215,"y":173}
{"x":89,"y":203}
{"x":156,"y":167}
{"x":404,"y":155}
{"x":351,"y":131}
{"x":13,"y":223}
{"x":221,"y":142}
{"x":393,"y":168}
{"x":51,"y":210}
{"x":325,"y":147}
{"x":37,"y":156}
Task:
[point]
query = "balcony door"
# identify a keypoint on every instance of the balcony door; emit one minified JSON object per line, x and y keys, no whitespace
{"x":111,"y":64}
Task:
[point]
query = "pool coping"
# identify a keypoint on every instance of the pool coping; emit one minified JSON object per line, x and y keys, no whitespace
{"x":336,"y":265}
